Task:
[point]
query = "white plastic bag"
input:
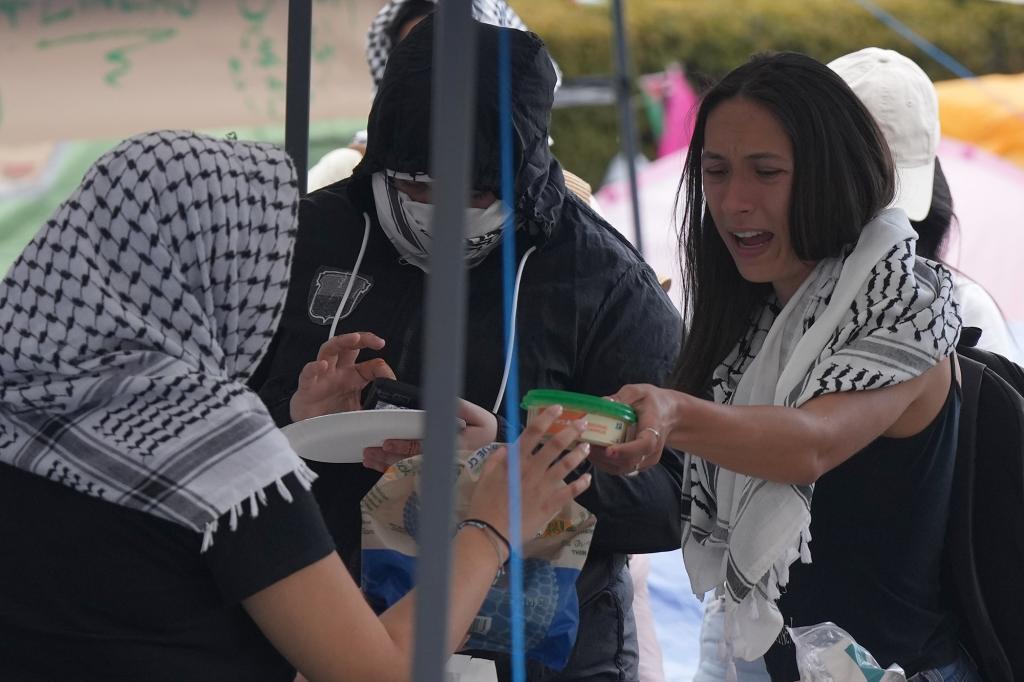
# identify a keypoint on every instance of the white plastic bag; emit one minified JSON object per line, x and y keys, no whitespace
{"x":827,"y":653}
{"x":468,"y":669}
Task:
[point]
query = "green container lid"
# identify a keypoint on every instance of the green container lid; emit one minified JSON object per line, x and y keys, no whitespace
{"x":578,"y":401}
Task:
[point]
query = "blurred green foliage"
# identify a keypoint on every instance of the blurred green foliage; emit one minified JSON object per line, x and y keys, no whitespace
{"x":711,"y":37}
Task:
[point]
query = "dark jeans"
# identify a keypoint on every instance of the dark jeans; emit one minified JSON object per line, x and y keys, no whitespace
{"x":606,"y":646}
{"x":960,"y":670}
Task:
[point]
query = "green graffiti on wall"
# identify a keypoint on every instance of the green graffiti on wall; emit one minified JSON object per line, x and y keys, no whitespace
{"x":49,"y":12}
{"x":10,"y":8}
{"x":119,"y":55}
{"x":255,"y":68}
{"x":55,"y":11}
{"x":259,"y":69}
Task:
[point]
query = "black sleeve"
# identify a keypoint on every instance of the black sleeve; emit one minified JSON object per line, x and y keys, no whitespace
{"x":297,"y":339}
{"x":283,"y":538}
{"x":643,"y":511}
{"x":635,"y":338}
{"x":780,"y":659}
{"x":502,"y":434}
{"x":276,"y":394}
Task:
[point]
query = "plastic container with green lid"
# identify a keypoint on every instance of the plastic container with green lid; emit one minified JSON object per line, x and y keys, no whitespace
{"x":608,"y":422}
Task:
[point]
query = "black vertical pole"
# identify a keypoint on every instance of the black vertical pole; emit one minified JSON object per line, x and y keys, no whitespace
{"x":296,"y":113}
{"x":452,"y":123}
{"x":627,"y":129}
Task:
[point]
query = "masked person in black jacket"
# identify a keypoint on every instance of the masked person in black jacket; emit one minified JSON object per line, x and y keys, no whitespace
{"x":591,"y":315}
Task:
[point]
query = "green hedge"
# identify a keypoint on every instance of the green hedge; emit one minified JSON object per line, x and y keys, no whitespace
{"x":711,"y":37}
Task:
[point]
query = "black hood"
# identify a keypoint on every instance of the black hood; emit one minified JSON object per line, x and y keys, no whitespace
{"x":399,"y":125}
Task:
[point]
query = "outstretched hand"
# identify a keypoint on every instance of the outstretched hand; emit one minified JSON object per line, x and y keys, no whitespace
{"x":655,"y":414}
{"x":334,"y":381}
{"x":542,"y":476}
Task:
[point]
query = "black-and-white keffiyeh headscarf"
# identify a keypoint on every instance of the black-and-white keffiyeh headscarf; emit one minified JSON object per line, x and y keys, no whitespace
{"x":878,"y":316}
{"x":130,"y":323}
{"x":379,"y":45}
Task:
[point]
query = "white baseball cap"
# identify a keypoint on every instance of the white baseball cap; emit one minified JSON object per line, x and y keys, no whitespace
{"x":903,"y":101}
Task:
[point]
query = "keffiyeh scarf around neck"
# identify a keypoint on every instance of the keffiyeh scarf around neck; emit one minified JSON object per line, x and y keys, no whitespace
{"x":130,"y":323}
{"x":876,"y":317}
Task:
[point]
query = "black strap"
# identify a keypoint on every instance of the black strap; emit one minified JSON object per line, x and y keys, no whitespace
{"x":976,"y":626}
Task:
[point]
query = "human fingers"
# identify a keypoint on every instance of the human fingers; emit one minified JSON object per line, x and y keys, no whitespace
{"x":566,"y":493}
{"x":473,"y":414}
{"x":564,"y":466}
{"x":402,"y":448}
{"x":544,"y":496}
{"x":600,"y":459}
{"x":344,"y":348}
{"x":555,"y":446}
{"x":379,"y":460}
{"x":641,"y":453}
{"x":311,"y":371}
{"x":538,"y":426}
{"x":378,"y":368}
{"x":630,"y":394}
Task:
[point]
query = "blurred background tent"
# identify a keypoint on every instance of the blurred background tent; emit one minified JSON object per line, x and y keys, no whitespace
{"x":987,"y":111}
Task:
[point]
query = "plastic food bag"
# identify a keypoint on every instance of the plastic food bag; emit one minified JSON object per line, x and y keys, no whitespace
{"x":827,"y":653}
{"x":551,"y":563}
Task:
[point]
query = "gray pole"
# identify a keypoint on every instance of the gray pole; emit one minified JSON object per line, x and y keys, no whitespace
{"x":627,"y":130}
{"x":296,"y":108}
{"x":452,"y":124}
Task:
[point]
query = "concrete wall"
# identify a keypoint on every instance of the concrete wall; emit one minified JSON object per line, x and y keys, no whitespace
{"x":79,"y":69}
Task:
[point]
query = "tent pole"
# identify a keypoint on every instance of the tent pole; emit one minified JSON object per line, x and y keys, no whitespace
{"x":627,"y":128}
{"x":453,"y":118}
{"x":296,"y":116}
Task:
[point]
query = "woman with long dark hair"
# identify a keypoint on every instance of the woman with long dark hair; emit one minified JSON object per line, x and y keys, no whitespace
{"x":815,"y":394}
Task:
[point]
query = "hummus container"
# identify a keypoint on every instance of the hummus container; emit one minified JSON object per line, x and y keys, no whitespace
{"x":608,"y":422}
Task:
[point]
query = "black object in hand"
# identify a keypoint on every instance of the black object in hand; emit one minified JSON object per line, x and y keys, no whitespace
{"x":385,"y":394}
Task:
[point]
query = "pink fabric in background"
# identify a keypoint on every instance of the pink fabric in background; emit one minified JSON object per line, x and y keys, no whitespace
{"x":680,"y":109}
{"x":988,"y":198}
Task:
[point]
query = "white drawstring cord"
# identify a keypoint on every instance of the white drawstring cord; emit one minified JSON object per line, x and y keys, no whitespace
{"x":512,"y":322}
{"x":512,"y":330}
{"x":352,"y":277}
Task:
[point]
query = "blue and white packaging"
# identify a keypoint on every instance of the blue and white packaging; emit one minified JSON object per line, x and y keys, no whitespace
{"x":551,"y":562}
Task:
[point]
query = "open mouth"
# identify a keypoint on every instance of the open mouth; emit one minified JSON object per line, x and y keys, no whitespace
{"x":752,"y":239}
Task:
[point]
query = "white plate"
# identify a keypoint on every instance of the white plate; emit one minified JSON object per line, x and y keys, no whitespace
{"x":340,"y":438}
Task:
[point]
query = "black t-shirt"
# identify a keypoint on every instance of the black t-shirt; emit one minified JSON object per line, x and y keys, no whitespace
{"x":90,"y":590}
{"x":878,"y":521}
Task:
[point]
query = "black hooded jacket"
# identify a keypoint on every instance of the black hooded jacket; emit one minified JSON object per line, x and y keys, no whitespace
{"x":592,"y":316}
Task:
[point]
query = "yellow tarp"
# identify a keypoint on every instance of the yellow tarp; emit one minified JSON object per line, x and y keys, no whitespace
{"x":987,"y":111}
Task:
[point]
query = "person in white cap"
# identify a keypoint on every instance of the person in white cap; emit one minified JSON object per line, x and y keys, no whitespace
{"x":903,"y":101}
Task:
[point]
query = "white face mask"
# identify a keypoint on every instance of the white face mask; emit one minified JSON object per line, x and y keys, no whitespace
{"x":407,"y":223}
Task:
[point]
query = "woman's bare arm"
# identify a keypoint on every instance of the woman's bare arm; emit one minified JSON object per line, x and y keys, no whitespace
{"x":317,"y":617}
{"x":788,"y":445}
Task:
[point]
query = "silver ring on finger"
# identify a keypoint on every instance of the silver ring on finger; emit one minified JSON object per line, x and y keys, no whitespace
{"x":656,"y":432}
